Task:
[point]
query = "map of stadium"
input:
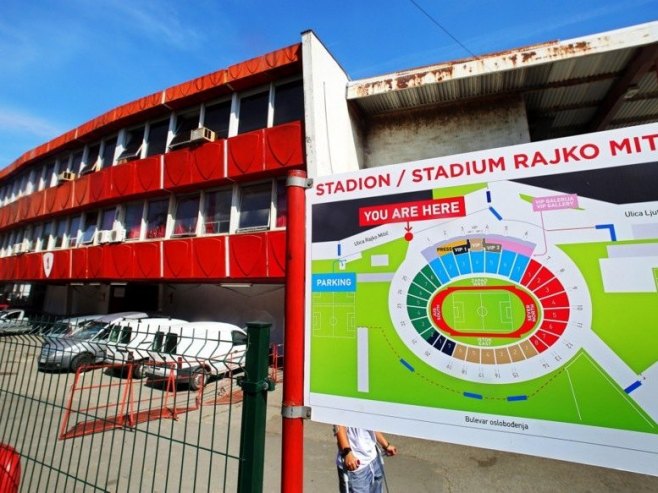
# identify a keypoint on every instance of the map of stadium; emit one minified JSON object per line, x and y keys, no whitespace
{"x":517,"y":312}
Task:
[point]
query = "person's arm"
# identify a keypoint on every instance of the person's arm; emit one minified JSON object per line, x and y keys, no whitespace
{"x":387,"y":447}
{"x":349,"y":459}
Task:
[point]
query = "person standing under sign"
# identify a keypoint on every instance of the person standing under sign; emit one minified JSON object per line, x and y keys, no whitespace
{"x":360,"y":466}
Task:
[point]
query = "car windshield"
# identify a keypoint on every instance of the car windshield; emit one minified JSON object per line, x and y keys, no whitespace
{"x":58,"y":328}
{"x":90,"y":330}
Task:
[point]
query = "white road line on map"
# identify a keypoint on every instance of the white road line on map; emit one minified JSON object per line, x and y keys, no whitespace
{"x":573,"y":393}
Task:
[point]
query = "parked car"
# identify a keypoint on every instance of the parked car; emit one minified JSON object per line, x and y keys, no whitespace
{"x":63,"y":326}
{"x":133,"y":338}
{"x":14,"y":321}
{"x":84,"y":346}
{"x":205,"y":349}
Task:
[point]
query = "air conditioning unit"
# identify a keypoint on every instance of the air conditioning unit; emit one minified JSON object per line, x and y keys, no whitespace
{"x":65,"y":176}
{"x":103,"y":236}
{"x":117,"y":235}
{"x":202,"y":133}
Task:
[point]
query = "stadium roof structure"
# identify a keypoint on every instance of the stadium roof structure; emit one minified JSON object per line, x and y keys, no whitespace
{"x":593,"y":83}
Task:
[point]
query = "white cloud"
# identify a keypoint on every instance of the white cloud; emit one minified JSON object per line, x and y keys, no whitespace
{"x":19,"y":122}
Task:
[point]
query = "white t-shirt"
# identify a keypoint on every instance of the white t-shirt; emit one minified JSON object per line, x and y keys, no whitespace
{"x":363,"y":444}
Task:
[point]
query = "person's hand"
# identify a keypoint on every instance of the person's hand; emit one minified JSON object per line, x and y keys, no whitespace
{"x":391,"y":450}
{"x":351,"y":462}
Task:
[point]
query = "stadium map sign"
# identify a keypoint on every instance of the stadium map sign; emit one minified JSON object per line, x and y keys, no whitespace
{"x":505,"y":299}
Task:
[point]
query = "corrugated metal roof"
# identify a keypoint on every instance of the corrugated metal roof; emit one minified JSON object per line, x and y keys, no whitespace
{"x":571,"y":83}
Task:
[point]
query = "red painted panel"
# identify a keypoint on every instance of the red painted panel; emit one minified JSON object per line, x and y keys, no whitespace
{"x":208,"y":162}
{"x":20,"y":267}
{"x":3,"y":268}
{"x":248,"y":255}
{"x":147,"y":174}
{"x":79,"y":263}
{"x":61,"y":265}
{"x":9,"y":268}
{"x":81,"y":191}
{"x":34,"y":267}
{"x":120,"y":261}
{"x":276,"y":254}
{"x":100,"y":185}
{"x":284,"y":146}
{"x":12,"y":212}
{"x":147,"y":260}
{"x":177,"y":255}
{"x":209,"y":257}
{"x":36,"y":204}
{"x":245,"y":153}
{"x":23,"y":208}
{"x":49,"y":200}
{"x":64,"y":196}
{"x":177,"y":170}
{"x":122,"y":179}
{"x":3,"y":217}
{"x":95,"y":262}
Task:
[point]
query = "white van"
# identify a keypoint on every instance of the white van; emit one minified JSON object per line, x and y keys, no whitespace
{"x":133,"y":338}
{"x":196,"y":351}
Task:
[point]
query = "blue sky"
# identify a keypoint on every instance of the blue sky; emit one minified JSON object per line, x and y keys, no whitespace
{"x":67,"y":61}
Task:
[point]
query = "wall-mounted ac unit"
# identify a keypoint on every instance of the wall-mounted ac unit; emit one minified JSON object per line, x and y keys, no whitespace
{"x":103,"y":236}
{"x":117,"y":235}
{"x":65,"y":176}
{"x":202,"y":133}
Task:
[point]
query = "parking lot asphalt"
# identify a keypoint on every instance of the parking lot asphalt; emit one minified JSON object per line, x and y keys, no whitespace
{"x":438,"y":467}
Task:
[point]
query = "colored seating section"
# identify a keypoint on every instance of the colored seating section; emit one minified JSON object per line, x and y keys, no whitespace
{"x":496,"y":255}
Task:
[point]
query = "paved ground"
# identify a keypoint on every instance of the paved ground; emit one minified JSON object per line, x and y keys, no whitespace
{"x":424,"y":466}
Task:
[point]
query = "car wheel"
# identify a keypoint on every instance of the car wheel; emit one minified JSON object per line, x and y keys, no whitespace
{"x":81,"y":360}
{"x":198,"y":378}
{"x":138,"y":370}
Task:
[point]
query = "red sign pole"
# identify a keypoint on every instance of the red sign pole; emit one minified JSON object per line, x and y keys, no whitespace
{"x":292,"y":445}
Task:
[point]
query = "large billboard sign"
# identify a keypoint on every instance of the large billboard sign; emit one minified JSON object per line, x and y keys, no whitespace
{"x":505,"y":299}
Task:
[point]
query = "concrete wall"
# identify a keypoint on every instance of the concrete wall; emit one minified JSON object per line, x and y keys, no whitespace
{"x":197,"y":302}
{"x":427,"y":133}
{"x":332,"y":137}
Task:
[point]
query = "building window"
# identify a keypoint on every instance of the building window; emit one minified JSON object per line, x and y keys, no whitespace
{"x":253,"y":112}
{"x":132,"y":146}
{"x":107,"y":219}
{"x":156,"y":218}
{"x":289,"y":102}
{"x":133,"y":220}
{"x":217,"y":118}
{"x":44,"y":239}
{"x":36,"y":234}
{"x":73,"y":232}
{"x":48,"y":176}
{"x":187,"y":215}
{"x":90,"y":227}
{"x":76,"y":162}
{"x":281,"y":204}
{"x":60,"y":231}
{"x":255,"y":207}
{"x":217,"y":211}
{"x":109,"y":146}
{"x":91,"y":161}
{"x":157,"y":141}
{"x":184,"y":125}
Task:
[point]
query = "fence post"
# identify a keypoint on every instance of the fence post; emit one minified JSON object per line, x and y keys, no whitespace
{"x":255,"y":385}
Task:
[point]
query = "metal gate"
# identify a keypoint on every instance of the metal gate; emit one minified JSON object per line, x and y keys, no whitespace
{"x":152,"y":410}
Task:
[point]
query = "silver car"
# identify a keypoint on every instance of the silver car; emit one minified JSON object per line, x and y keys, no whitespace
{"x":14,"y":321}
{"x":85,"y":346}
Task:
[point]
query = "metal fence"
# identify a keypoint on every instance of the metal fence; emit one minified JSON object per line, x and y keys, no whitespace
{"x":124,"y":406}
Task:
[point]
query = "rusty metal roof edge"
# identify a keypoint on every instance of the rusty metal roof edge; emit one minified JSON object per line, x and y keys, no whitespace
{"x":518,"y":58}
